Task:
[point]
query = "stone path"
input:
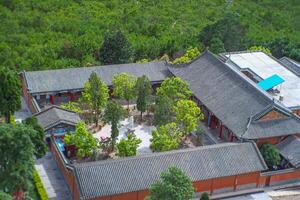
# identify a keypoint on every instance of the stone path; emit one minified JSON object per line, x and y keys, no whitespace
{"x":52,"y":178}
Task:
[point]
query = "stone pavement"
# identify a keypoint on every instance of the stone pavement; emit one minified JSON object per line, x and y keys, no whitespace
{"x":52,"y":178}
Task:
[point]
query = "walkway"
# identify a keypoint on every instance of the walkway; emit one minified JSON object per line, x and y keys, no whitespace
{"x":52,"y":178}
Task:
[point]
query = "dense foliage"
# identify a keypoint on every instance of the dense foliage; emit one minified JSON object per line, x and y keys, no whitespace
{"x":16,"y":153}
{"x":128,"y":147}
{"x":37,"y":137}
{"x":174,"y":184}
{"x":57,"y":34}
{"x":83,"y":140}
{"x":39,"y":186}
{"x":5,"y":196}
{"x":10,"y":93}
{"x":270,"y":154}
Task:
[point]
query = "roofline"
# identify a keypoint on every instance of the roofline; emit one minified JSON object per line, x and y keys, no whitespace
{"x":58,"y":122}
{"x":51,"y":107}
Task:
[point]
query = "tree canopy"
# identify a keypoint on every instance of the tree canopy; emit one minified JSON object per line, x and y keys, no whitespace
{"x":37,"y":137}
{"x":165,"y":138}
{"x":83,"y":140}
{"x":174,"y":184}
{"x":5,"y":196}
{"x":113,"y":114}
{"x":10,"y":93}
{"x":128,"y":147}
{"x":270,"y":154}
{"x":143,"y":88}
{"x":163,"y":112}
{"x":95,"y":93}
{"x":124,"y":86}
{"x":16,"y":153}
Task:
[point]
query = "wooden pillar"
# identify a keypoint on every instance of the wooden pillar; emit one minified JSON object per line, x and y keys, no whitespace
{"x":72,"y":96}
{"x":229,"y":134}
{"x":235,"y":183}
{"x":212,"y":186}
{"x":231,"y":138}
{"x":52,"y":99}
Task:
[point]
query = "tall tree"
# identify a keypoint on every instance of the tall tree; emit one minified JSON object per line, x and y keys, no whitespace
{"x":163,"y":112}
{"x":83,"y":140}
{"x":143,"y":88}
{"x":174,"y":88}
{"x":188,"y":115}
{"x":113,"y":114}
{"x":165,"y":138}
{"x":95,"y":93}
{"x":124,"y":87}
{"x":115,"y":49}
{"x":10,"y":93}
{"x":17,"y":157}
{"x":37,"y":137}
{"x":174,"y":184}
{"x":128,"y":147}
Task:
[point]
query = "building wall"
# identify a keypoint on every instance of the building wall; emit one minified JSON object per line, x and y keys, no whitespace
{"x":27,"y":96}
{"x":297,"y":112}
{"x":272,"y":140}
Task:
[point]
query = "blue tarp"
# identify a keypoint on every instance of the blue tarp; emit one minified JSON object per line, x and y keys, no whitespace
{"x":60,"y":145}
{"x":270,"y":82}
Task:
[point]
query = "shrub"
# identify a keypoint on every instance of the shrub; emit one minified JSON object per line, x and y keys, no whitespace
{"x":270,"y":154}
{"x":204,"y":196}
{"x":39,"y":186}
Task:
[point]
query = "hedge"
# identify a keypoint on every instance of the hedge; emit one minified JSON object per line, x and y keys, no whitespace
{"x":39,"y":186}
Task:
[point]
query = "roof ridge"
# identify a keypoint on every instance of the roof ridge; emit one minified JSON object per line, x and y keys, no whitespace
{"x":157,"y":154}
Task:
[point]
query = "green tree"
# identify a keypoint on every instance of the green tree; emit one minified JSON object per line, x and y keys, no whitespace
{"x":174,"y":184}
{"x":115,"y":49}
{"x":124,"y":87}
{"x":83,"y":140}
{"x":228,"y":29}
{"x":189,"y":55}
{"x":204,"y":196}
{"x":165,"y":138}
{"x":174,"y":88}
{"x":216,"y":45}
{"x":5,"y":196}
{"x":188,"y":115}
{"x":128,"y":147}
{"x":17,"y":157}
{"x":113,"y":114}
{"x":163,"y":112}
{"x":37,"y":137}
{"x":73,"y":106}
{"x":144,"y":89}
{"x":95,"y":94}
{"x":260,"y":48}
{"x":270,"y":154}
{"x":10,"y":93}
{"x":280,"y":46}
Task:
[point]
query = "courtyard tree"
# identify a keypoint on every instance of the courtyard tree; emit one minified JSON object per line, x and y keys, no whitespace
{"x":112,"y":115}
{"x":143,"y":88}
{"x":128,"y":147}
{"x":115,"y":48}
{"x":188,"y":115}
{"x":270,"y":154}
{"x":175,"y":89}
{"x":124,"y":87}
{"x":17,"y":158}
{"x":204,"y":196}
{"x":174,"y":184}
{"x":10,"y":93}
{"x":163,"y":112}
{"x":165,"y":138}
{"x":83,"y":140}
{"x":73,"y":106}
{"x":95,"y":94}
{"x":37,"y":137}
{"x":5,"y":196}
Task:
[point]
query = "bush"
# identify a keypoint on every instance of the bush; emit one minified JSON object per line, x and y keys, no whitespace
{"x":5,"y":196}
{"x":39,"y":186}
{"x":270,"y":154}
{"x":204,"y":196}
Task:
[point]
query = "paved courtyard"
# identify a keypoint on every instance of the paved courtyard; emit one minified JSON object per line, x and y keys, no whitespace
{"x":52,"y":178}
{"x":141,"y":131}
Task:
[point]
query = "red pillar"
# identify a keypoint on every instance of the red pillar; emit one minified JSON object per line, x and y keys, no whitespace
{"x":221,"y":129}
{"x":52,"y":99}
{"x":229,"y":135}
{"x":231,"y":138}
{"x":72,"y":96}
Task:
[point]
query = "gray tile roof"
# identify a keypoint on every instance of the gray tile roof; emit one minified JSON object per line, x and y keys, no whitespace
{"x":290,"y":150}
{"x":104,"y":178}
{"x":55,"y":115}
{"x":291,"y":64}
{"x":233,"y":98}
{"x":74,"y":78}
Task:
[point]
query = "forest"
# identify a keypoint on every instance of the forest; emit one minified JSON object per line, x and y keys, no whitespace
{"x":51,"y":34}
